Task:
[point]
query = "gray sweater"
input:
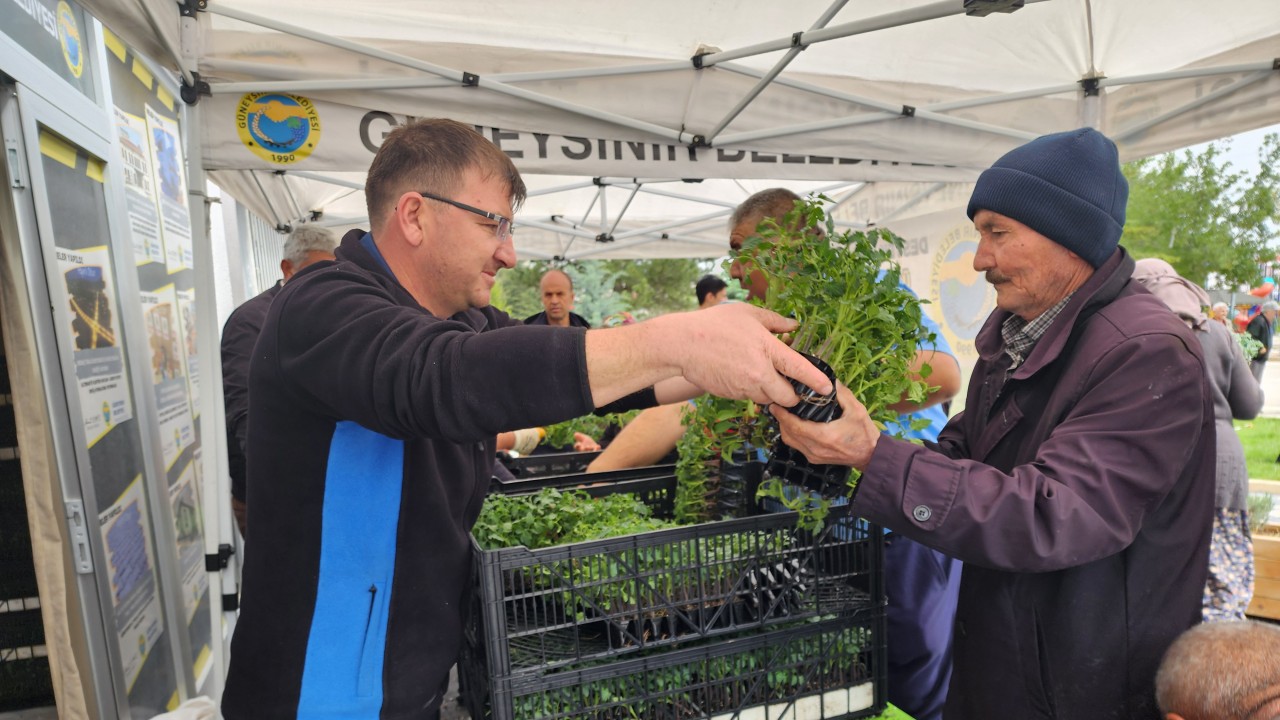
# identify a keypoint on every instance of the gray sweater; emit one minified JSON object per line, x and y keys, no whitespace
{"x":1236,"y":394}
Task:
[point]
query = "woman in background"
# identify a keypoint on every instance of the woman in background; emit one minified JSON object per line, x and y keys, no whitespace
{"x":1236,"y":394}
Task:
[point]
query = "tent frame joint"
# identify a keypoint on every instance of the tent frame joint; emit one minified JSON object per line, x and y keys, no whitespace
{"x":470,"y":79}
{"x":1092,"y":86}
{"x":797,"y":40}
{"x":908,"y":111}
{"x":604,"y":238}
{"x":189,"y":8}
{"x":1275,"y":64}
{"x":193,"y":91}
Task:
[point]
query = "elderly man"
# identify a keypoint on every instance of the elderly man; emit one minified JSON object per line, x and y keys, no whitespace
{"x":1261,"y":328}
{"x":1222,"y":671}
{"x":384,"y":378}
{"x":306,"y":245}
{"x":556,"y":288}
{"x":1073,"y":486}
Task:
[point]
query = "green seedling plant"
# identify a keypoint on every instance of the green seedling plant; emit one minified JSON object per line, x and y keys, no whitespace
{"x":561,"y":434}
{"x":844,"y":288}
{"x":715,"y":428}
{"x":1248,"y":345}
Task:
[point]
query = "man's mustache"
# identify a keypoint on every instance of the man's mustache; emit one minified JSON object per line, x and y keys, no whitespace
{"x":994,"y":277}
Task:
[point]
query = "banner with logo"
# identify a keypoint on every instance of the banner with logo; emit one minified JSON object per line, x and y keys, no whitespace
{"x":55,"y":32}
{"x":280,"y":131}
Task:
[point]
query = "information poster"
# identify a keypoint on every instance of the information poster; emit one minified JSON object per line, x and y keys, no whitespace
{"x":168,"y":171}
{"x":140,"y":192}
{"x":126,"y":529}
{"x":165,"y":345}
{"x":184,"y":499}
{"x":104,"y":394}
{"x":187,"y":316}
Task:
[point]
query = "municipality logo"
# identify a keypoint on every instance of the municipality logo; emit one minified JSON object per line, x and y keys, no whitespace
{"x":69,"y":38}
{"x":278,"y":128}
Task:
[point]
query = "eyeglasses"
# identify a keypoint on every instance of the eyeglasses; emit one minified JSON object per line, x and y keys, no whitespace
{"x":502,"y":230}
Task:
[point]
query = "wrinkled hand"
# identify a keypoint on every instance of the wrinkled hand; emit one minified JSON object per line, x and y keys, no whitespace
{"x":583,"y":442}
{"x":848,"y":440}
{"x":731,"y":350}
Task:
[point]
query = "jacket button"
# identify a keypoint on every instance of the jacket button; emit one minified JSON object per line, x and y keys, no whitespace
{"x":922,"y":513}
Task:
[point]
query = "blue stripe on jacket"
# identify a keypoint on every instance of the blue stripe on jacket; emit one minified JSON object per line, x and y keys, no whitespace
{"x":342,"y":675}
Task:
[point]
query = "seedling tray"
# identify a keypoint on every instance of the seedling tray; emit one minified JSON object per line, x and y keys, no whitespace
{"x":550,"y":608}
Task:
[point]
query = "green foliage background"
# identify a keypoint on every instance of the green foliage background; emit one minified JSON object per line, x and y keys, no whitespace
{"x":1203,"y":215}
{"x":645,"y":288}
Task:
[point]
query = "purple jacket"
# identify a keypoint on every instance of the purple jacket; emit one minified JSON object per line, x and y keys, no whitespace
{"x":1079,"y":495}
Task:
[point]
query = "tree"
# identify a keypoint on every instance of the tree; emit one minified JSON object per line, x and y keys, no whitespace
{"x":1203,"y":216}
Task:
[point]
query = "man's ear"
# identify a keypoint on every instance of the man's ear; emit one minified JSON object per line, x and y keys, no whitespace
{"x":406,"y":216}
{"x":286,"y":269}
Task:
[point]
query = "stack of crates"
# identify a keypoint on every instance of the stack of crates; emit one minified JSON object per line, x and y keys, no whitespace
{"x":750,"y":618}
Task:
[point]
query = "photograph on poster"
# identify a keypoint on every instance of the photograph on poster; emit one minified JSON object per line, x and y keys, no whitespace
{"x":184,"y":499}
{"x":90,"y":302}
{"x":168,"y":375}
{"x":167,"y":168}
{"x":144,"y":219}
{"x":125,"y":528}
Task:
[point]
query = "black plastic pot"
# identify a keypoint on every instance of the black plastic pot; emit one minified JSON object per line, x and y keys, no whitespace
{"x":790,"y":465}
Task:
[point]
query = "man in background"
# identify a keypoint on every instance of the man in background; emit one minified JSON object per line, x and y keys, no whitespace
{"x":1262,"y":328}
{"x":305,"y":246}
{"x":922,"y":584}
{"x":711,"y":290}
{"x":556,"y":288}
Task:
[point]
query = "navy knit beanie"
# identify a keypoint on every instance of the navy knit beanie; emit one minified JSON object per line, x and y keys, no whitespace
{"x":1066,"y":186}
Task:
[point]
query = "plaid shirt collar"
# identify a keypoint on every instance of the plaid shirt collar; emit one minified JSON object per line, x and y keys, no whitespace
{"x":1020,"y":336}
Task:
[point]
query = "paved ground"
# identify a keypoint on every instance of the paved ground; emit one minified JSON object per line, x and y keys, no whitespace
{"x":1271,"y":387}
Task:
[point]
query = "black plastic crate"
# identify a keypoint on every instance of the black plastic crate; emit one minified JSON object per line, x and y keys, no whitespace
{"x":540,"y":610}
{"x":538,"y":465}
{"x":820,"y":670}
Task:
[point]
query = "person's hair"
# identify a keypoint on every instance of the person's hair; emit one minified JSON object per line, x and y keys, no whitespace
{"x":308,"y":239}
{"x":771,"y":203}
{"x":566,"y":275}
{"x":1270,"y":305}
{"x":1219,"y":305}
{"x":1220,"y":671}
{"x":433,"y":155}
{"x":708,"y":285}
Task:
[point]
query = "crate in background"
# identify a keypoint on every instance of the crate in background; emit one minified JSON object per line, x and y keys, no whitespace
{"x":538,"y":465}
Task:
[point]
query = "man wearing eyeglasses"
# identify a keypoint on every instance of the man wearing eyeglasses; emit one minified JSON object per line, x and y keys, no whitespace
{"x":378,"y":385}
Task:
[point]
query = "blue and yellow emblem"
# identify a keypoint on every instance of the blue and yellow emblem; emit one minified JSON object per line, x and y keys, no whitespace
{"x":964,"y":296}
{"x":278,"y":128}
{"x":69,"y":38}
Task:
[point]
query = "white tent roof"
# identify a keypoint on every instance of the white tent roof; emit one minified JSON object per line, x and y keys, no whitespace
{"x":908,"y":91}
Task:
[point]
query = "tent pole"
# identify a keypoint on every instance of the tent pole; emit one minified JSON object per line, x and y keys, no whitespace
{"x":768,"y":77}
{"x":213,"y":436}
{"x":320,"y":177}
{"x":690,"y":198}
{"x":674,"y":223}
{"x":622,"y":213}
{"x":1188,"y":107}
{"x":604,"y":214}
{"x":572,"y":229}
{"x":882,"y":22}
{"x":610,"y":247}
{"x":187,"y":78}
{"x":455,"y":75}
{"x":409,"y":83}
{"x":916,"y":200}
{"x":560,"y":188}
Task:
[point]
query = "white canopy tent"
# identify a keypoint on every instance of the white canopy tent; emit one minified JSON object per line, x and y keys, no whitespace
{"x":613,"y":102}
